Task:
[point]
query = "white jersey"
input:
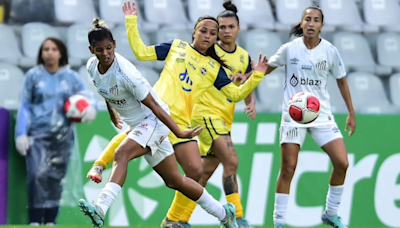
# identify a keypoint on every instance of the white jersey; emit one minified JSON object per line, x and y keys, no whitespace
{"x":123,"y":87}
{"x":308,"y":70}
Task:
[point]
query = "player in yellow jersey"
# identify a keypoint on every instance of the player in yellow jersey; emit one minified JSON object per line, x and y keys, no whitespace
{"x":215,"y":113}
{"x":190,"y":70}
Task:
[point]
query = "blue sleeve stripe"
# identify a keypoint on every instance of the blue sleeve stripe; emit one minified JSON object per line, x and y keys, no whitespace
{"x":249,"y":66}
{"x":222,"y":79}
{"x":162,"y":49}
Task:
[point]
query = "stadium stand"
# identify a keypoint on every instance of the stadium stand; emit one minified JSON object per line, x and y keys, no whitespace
{"x":270,"y":92}
{"x":11,"y":81}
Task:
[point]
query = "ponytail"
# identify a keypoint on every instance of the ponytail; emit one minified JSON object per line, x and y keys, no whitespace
{"x":296,"y":31}
{"x":213,"y":54}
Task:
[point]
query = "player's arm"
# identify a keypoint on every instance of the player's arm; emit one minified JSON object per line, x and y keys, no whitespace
{"x":238,"y":93}
{"x":23,"y":115}
{"x":278,"y":59}
{"x":143,"y":52}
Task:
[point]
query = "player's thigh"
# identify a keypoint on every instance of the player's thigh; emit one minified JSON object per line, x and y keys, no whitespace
{"x":224,"y":150}
{"x":168,"y":169}
{"x":291,"y":140}
{"x":187,"y":155}
{"x":330,"y":139}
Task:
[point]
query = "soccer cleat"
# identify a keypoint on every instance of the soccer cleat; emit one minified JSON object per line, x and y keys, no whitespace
{"x":279,"y":225}
{"x":93,"y":211}
{"x":333,"y":221}
{"x":230,"y":219}
{"x":95,"y":173}
{"x":166,"y":223}
{"x":185,"y":224}
{"x":243,"y":223}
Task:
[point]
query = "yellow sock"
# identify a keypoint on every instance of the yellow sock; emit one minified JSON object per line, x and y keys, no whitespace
{"x":235,"y":199}
{"x":107,"y":156}
{"x":185,"y":216}
{"x":177,"y":207}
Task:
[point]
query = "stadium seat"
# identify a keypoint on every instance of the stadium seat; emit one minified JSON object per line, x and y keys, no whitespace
{"x":394,"y":85}
{"x":111,"y":11}
{"x":289,"y":12}
{"x":336,"y":99}
{"x":74,"y":11}
{"x":368,"y":94}
{"x":383,"y":13}
{"x":151,"y":75}
{"x":25,"y":11}
{"x":199,"y":8}
{"x":388,"y":50}
{"x":356,"y":54}
{"x":349,"y":19}
{"x":256,"y":41}
{"x":11,"y":84}
{"x":166,"y":13}
{"x":10,"y":51}
{"x":77,"y":43}
{"x":270,"y":92}
{"x":124,"y":48}
{"x":32,"y":36}
{"x":255,"y":14}
{"x":87,"y":81}
{"x":165,"y":34}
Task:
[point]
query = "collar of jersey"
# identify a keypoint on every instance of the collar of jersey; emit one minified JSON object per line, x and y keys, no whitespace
{"x":108,"y":70}
{"x":230,"y":52}
{"x":197,"y":50}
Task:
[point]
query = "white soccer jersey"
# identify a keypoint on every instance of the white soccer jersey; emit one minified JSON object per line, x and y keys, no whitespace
{"x":308,"y":70}
{"x":123,"y":87}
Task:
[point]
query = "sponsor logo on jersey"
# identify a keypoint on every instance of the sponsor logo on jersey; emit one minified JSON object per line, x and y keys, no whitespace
{"x":114,"y":89}
{"x":182,"y":54}
{"x":294,"y":60}
{"x":186,"y":81}
{"x":137,"y":132}
{"x":119,"y":103}
{"x":195,"y":59}
{"x":306,"y":67}
{"x":103,"y":91}
{"x":182,"y":45}
{"x":211,"y":63}
{"x":191,"y":65}
{"x":242,"y":59}
{"x":311,"y":82}
{"x":321,"y":65}
{"x":144,"y":126}
{"x":179,"y":60}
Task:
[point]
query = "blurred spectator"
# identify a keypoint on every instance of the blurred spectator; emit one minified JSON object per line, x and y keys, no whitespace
{"x":43,"y":132}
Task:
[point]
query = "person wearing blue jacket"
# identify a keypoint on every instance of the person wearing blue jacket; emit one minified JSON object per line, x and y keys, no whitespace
{"x":43,"y":132}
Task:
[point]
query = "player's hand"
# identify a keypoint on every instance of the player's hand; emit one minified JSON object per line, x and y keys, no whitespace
{"x":351,"y":122}
{"x":262,"y":64}
{"x":22,"y":144}
{"x":129,"y":9}
{"x":250,"y":110}
{"x":188,"y":134}
{"x":239,"y":78}
{"x":115,"y":119}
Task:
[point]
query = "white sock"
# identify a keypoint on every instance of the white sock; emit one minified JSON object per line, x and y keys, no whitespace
{"x":281,"y":200}
{"x":108,"y":195}
{"x":333,"y":199}
{"x":211,"y":206}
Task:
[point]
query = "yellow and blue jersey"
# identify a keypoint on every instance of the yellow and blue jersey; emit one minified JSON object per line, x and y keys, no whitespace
{"x":187,"y":73}
{"x":213,"y":103}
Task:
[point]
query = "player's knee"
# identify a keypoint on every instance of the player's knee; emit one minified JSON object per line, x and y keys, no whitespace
{"x":174,"y":183}
{"x":287,"y":170}
{"x":121,"y":155}
{"x":195,"y":172}
{"x":341,"y":166}
{"x":231,"y":166}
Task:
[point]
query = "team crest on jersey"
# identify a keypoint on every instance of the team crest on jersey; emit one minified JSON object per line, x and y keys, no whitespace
{"x":203,"y":70}
{"x":242,"y":59}
{"x":294,"y":81}
{"x":321,"y":65}
{"x":114,"y":89}
{"x":182,"y":45}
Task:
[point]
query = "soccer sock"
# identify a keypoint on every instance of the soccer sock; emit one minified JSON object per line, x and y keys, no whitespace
{"x":185,"y":216}
{"x":50,"y":215}
{"x":333,"y":199}
{"x":235,"y":199}
{"x":281,"y":200}
{"x":107,"y":156}
{"x":177,"y":207}
{"x":212,"y":206}
{"x":107,"y":196}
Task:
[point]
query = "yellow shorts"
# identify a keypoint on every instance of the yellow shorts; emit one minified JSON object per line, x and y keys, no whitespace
{"x":213,"y":128}
{"x":175,"y":140}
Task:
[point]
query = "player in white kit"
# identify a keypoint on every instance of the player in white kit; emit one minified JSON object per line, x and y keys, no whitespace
{"x":131,"y":96}
{"x":309,"y":61}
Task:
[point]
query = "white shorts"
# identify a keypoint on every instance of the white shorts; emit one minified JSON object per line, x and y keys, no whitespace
{"x":321,"y":134}
{"x":152,"y":133}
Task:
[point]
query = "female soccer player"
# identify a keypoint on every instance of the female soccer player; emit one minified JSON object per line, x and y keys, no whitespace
{"x":309,"y":60}
{"x":215,"y":113}
{"x":43,"y":133}
{"x":128,"y":93}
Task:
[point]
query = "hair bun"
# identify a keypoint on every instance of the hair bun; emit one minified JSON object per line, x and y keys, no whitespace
{"x":98,"y":23}
{"x":228,"y":5}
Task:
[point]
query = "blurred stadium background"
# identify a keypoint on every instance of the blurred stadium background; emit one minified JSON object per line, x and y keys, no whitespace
{"x":366,"y":33}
